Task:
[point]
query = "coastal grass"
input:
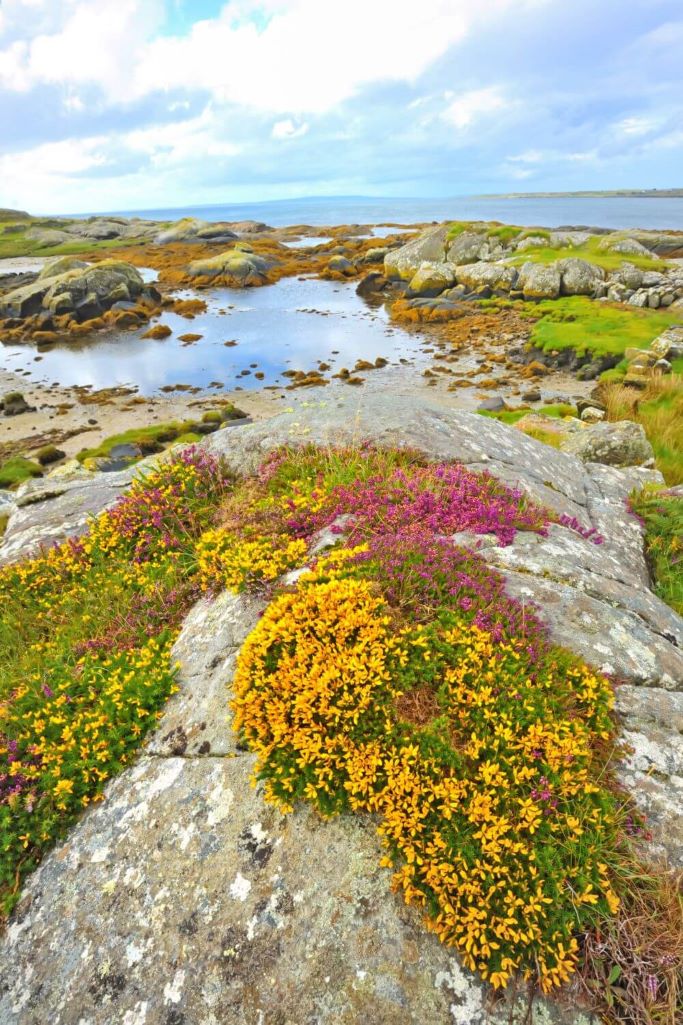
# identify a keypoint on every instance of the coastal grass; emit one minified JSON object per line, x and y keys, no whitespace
{"x":17,"y":245}
{"x":659,"y":408}
{"x":599,"y":328}
{"x":662,"y":515}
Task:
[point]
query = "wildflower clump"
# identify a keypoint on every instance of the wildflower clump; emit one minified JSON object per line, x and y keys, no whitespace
{"x":397,"y":677}
{"x":85,"y":637}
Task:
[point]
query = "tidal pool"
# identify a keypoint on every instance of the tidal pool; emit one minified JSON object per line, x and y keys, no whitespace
{"x":289,"y":325}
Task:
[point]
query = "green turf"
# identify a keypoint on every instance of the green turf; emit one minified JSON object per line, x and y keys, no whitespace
{"x":579,"y":323}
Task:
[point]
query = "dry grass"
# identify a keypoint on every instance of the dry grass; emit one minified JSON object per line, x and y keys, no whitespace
{"x":659,"y":408}
{"x":633,"y":966}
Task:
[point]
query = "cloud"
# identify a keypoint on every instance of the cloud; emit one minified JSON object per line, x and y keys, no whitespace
{"x":472,"y":106}
{"x":288,"y":130}
{"x":124,"y":104}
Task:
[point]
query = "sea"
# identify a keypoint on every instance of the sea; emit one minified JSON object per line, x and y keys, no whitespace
{"x":616,"y":212}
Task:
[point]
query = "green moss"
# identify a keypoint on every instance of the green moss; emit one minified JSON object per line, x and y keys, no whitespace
{"x":511,"y":416}
{"x":579,"y":323}
{"x":16,"y":470}
{"x":589,"y":251}
{"x":212,"y":416}
{"x":506,"y":233}
{"x":458,"y":228}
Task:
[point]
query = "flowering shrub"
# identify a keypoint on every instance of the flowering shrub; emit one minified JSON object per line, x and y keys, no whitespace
{"x":85,"y":636}
{"x":399,"y":678}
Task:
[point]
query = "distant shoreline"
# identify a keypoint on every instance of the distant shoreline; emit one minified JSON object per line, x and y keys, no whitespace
{"x":605,"y":194}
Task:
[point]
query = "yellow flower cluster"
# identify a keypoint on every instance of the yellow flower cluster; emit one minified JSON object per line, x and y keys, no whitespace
{"x":225,"y":560}
{"x":489,"y":811}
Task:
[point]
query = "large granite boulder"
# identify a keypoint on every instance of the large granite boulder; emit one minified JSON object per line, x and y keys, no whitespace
{"x":498,"y":277}
{"x":85,"y":291}
{"x":540,"y":280}
{"x":405,"y":261}
{"x":48,"y":237}
{"x":183,"y":898}
{"x":431,"y":279}
{"x":579,"y":277}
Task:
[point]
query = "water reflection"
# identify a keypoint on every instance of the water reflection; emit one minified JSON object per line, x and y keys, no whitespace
{"x":292,"y":324}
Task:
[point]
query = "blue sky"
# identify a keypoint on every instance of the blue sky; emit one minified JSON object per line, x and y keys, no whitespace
{"x":125,"y":104}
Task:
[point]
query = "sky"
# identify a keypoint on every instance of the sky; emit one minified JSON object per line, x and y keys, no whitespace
{"x":143,"y":104}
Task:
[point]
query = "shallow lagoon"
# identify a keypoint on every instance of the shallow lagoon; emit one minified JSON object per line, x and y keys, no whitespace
{"x":290,"y":325}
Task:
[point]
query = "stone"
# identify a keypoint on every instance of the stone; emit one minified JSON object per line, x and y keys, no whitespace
{"x":494,"y":404}
{"x":616,"y":444}
{"x":375,"y":255}
{"x":237,"y":267}
{"x":430,"y":279}
{"x":532,"y":242}
{"x":341,"y":265}
{"x":499,"y":277}
{"x":628,"y":275}
{"x":629,"y":246}
{"x":430,"y":246}
{"x":372,"y":284}
{"x":61,"y":265}
{"x":184,"y":230}
{"x":540,"y":280}
{"x":579,"y":277}
{"x":48,"y":237}
{"x":592,"y":415}
{"x":14,"y":403}
{"x":668,"y":345}
{"x":468,"y":247}
{"x":568,"y":239}
{"x":639,"y":298}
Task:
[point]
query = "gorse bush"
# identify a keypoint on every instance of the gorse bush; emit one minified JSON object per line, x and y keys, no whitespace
{"x":85,"y":636}
{"x":399,"y":678}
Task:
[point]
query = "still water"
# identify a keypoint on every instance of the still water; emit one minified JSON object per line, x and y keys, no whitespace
{"x":290,"y":325}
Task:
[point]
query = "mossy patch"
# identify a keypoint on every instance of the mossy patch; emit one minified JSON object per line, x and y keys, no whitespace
{"x":16,"y":470}
{"x":586,"y":326}
{"x":589,"y":251}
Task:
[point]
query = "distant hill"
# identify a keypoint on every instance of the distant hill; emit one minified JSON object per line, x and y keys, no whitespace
{"x":13,"y":215}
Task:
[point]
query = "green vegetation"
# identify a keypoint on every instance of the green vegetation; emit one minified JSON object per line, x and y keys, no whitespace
{"x":511,"y":416}
{"x":156,"y":437}
{"x":662,"y":515}
{"x":16,"y":470}
{"x":589,"y":251}
{"x":16,"y":244}
{"x":85,"y":637}
{"x":659,"y":408}
{"x":586,"y":326}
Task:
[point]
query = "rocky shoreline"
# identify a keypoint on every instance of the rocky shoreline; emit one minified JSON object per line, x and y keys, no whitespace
{"x":464,"y":288}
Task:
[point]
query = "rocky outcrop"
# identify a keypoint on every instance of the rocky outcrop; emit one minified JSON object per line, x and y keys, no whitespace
{"x":84,"y":291}
{"x":184,"y":898}
{"x":471,"y":247}
{"x":234,"y":266}
{"x":191,"y":229}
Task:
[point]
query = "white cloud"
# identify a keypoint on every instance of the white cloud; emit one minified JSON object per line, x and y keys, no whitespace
{"x":266,"y":55}
{"x":472,"y":106}
{"x":288,"y":130}
{"x":635,"y":126}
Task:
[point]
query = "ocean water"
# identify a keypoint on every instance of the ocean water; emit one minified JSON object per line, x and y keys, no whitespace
{"x":607,"y":212}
